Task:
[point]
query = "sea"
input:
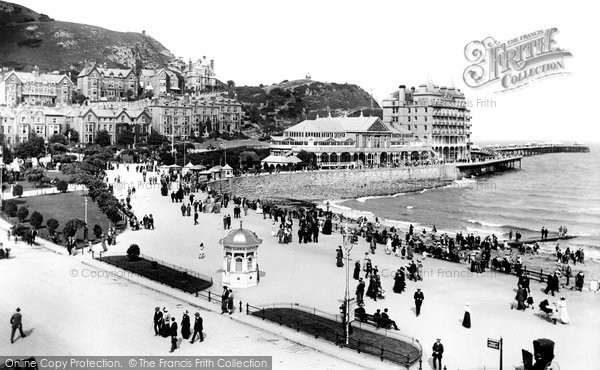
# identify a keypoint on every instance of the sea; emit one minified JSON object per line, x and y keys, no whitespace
{"x":551,"y":190}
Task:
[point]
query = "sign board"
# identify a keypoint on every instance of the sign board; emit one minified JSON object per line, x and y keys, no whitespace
{"x":493,"y":343}
{"x":352,"y":307}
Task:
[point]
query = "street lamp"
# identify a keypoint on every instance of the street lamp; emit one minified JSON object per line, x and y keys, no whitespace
{"x":348,"y":242}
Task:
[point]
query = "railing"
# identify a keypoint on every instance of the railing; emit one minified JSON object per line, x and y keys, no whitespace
{"x":358,"y":345}
{"x":179,"y":268}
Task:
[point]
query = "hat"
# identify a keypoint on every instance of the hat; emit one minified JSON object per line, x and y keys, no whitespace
{"x":562,"y":298}
{"x":418,"y":288}
{"x":438,"y":338}
{"x":165,"y":309}
{"x":197,"y":314}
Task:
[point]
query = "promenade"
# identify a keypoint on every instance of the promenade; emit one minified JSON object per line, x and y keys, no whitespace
{"x":307,"y":274}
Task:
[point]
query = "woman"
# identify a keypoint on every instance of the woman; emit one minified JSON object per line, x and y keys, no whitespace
{"x":166,"y":326}
{"x":521,"y":297}
{"x":563,"y":315}
{"x":230,"y":302}
{"x":467,"y":318}
{"x":340,"y":257}
{"x":372,"y":289}
{"x":356,"y":273}
{"x":185,"y":325}
{"x":397,"y":282}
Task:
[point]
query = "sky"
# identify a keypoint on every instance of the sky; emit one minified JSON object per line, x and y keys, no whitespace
{"x":377,"y":45}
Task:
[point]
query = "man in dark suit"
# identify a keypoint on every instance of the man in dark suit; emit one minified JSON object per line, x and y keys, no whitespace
{"x":198,"y":328}
{"x":173,"y":333}
{"x":386,"y":321}
{"x":360,"y":291}
{"x":16,"y":323}
{"x":438,"y":351}
{"x":158,"y":318}
{"x":419,"y":297}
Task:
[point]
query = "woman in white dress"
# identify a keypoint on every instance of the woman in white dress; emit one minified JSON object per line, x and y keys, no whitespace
{"x":563,"y":314}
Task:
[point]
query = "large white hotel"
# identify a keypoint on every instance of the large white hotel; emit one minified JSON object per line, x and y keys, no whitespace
{"x":434,"y":115}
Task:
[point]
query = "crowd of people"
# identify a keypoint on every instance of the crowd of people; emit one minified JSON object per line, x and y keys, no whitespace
{"x":166,"y":326}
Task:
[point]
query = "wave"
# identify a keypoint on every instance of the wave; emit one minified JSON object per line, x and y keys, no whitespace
{"x":409,"y":207}
{"x":484,"y":223}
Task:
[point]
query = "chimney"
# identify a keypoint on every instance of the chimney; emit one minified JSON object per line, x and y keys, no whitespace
{"x":402,"y":93}
{"x":212,"y":64}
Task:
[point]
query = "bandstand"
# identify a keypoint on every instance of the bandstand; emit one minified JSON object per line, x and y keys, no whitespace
{"x":240,"y":262}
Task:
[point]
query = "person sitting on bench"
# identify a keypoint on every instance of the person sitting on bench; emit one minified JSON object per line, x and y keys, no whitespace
{"x":386,"y":321}
{"x":360,"y":312}
{"x":377,"y":317}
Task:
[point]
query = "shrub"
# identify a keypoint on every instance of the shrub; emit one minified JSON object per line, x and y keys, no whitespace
{"x":98,"y":231}
{"x":72,"y":226}
{"x":62,"y":186}
{"x":22,"y":213}
{"x":10,"y":208}
{"x":52,"y":225}
{"x":36,"y":219}
{"x":133,"y":252}
{"x":18,"y":190}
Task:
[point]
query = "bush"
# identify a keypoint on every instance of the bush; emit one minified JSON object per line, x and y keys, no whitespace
{"x":62,"y":186}
{"x":98,"y":231}
{"x":52,"y":224}
{"x":22,"y":213}
{"x":10,"y":208}
{"x":133,"y":252}
{"x":18,"y":190}
{"x":36,"y":219}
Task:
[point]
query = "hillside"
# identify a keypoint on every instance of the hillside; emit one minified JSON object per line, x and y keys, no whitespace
{"x":28,"y":39}
{"x":272,"y":108}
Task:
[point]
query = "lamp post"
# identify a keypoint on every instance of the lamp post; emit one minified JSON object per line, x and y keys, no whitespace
{"x":85,"y":220}
{"x":348,"y":244}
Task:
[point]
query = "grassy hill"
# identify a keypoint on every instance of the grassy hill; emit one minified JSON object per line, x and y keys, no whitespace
{"x":278,"y":106}
{"x":29,"y":39}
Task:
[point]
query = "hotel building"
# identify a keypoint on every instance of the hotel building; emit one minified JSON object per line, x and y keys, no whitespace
{"x":98,"y":83}
{"x":343,"y":142}
{"x":35,"y":88}
{"x":437,"y":116}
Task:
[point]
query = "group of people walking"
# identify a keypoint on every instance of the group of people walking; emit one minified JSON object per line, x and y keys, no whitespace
{"x":166,"y":326}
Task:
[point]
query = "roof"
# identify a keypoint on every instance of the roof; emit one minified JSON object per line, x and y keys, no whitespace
{"x":339,"y":124}
{"x":105,"y":71}
{"x":280,"y":159}
{"x":28,"y":77}
{"x":241,"y":238}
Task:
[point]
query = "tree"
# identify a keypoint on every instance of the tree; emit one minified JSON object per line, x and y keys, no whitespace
{"x":74,"y":135}
{"x":32,"y":148}
{"x":10,"y":208}
{"x":62,"y":186}
{"x":129,"y":95}
{"x":7,"y":155}
{"x":58,"y":138}
{"x":52,"y":224}
{"x":37,"y":175}
{"x":97,"y":231}
{"x":72,"y":226}
{"x":103,"y":137}
{"x":230,"y":84}
{"x":78,"y":98}
{"x":148,"y":95}
{"x":22,"y":213}
{"x":126,"y":138}
{"x":36,"y":219}
{"x":18,"y":190}
{"x":58,"y":148}
{"x":133,"y":252}
{"x":155,"y":138}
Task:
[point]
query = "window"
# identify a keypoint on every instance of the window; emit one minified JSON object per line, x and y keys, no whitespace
{"x":238,"y":264}
{"x":425,"y":127}
{"x":249,"y":263}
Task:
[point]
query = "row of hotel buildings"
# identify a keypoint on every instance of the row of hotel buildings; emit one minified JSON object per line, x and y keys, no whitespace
{"x":194,"y":117}
{"x":428,"y":123}
{"x":98,"y":82}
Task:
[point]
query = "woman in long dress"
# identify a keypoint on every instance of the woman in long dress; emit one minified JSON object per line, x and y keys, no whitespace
{"x":356,"y":273}
{"x":563,"y":314}
{"x":185,"y":325}
{"x":467,"y":318}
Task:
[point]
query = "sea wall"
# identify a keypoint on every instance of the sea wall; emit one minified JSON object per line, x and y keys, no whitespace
{"x":338,"y":184}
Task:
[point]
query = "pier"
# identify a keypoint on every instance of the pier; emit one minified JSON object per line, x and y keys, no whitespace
{"x":489,"y":166}
{"x":532,"y":149}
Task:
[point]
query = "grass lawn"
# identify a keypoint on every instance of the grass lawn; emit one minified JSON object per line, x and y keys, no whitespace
{"x":63,"y":207}
{"x":394,"y":349}
{"x":179,"y":279}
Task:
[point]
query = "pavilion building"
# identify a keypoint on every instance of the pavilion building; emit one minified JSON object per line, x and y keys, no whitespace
{"x":348,"y":142}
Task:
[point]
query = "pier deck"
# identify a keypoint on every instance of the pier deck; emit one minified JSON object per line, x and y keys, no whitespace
{"x":489,"y":166}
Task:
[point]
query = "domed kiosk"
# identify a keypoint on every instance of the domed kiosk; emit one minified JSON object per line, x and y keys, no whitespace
{"x":240,"y":269}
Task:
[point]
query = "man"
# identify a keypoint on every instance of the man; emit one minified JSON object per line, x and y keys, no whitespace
{"x":386,"y":321}
{"x":360,"y":312}
{"x":158,"y":318}
{"x":377,"y":317}
{"x":16,"y":323}
{"x":419,"y":297}
{"x":173,"y":332}
{"x":438,"y":350}
{"x":360,"y":291}
{"x":198,"y":328}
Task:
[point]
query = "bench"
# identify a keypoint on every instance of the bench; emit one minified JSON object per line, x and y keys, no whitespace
{"x":367,"y":318}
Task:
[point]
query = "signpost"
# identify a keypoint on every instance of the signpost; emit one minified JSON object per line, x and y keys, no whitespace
{"x":497,"y":345}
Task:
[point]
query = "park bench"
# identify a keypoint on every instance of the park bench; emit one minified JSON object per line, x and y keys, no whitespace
{"x":368,"y":318}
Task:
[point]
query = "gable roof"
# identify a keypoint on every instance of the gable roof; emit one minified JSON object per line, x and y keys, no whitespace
{"x":338,"y":124}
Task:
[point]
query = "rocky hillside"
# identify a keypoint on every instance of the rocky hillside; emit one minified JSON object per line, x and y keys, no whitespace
{"x":28,"y":39}
{"x":272,"y":108}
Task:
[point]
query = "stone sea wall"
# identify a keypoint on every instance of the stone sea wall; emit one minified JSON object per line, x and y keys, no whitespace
{"x":338,"y":184}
